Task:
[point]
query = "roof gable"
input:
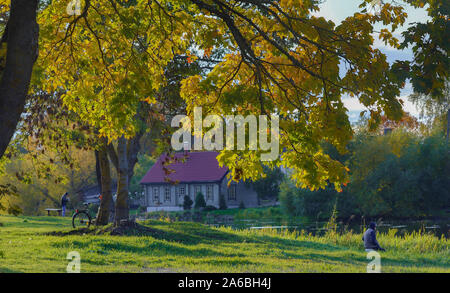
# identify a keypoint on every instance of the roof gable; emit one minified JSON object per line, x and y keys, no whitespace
{"x":198,"y":167}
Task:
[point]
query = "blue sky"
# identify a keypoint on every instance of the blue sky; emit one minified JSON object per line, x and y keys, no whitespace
{"x":338,"y":10}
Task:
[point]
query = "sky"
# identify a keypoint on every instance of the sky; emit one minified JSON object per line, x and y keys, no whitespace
{"x":338,"y":10}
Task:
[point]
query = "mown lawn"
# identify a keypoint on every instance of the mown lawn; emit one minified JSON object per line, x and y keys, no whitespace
{"x":191,"y":247}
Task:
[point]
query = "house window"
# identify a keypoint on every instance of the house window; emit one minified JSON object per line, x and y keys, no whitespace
{"x":197,"y":189}
{"x":181,"y":191}
{"x":167,"y":194}
{"x":156,"y":194}
{"x":209,"y":192}
{"x":232,"y":192}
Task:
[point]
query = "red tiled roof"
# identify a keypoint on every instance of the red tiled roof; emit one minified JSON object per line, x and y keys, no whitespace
{"x":198,"y":167}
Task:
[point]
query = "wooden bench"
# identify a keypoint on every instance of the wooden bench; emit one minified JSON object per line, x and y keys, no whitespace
{"x":54,"y":210}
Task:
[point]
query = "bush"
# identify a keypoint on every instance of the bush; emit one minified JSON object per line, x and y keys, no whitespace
{"x":209,"y":208}
{"x":199,"y":201}
{"x":187,"y":203}
{"x":222,"y":202}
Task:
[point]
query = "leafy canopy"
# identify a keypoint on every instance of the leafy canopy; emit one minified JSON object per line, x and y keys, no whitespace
{"x":276,"y":58}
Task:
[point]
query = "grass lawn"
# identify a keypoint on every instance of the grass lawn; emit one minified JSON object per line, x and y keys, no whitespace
{"x":192,"y":247}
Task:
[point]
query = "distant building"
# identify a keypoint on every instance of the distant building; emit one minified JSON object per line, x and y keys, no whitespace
{"x":91,"y":195}
{"x":199,"y":173}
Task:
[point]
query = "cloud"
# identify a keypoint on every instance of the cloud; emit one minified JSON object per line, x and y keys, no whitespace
{"x":355,"y":107}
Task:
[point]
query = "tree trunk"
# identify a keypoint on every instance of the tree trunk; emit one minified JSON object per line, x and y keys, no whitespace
{"x":122,"y":211}
{"x":133,"y":148}
{"x":21,"y":34}
{"x":106,"y":200}
{"x":98,"y":172}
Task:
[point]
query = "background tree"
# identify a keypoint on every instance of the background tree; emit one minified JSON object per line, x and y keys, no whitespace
{"x":39,"y":185}
{"x":400,"y":175}
{"x":269,"y":186}
{"x":429,"y":70}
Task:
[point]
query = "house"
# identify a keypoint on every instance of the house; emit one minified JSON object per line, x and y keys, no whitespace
{"x":200,"y":172}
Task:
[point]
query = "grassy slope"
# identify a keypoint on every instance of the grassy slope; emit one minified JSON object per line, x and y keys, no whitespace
{"x":190,"y":247}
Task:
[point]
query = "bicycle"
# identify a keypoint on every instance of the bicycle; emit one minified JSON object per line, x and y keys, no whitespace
{"x":81,"y":218}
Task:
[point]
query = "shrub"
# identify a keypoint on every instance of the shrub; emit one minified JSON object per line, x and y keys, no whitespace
{"x":187,"y":203}
{"x":222,"y":202}
{"x":199,"y":201}
{"x":210,"y":208}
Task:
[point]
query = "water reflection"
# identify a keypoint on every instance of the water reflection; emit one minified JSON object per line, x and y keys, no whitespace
{"x":438,"y":228}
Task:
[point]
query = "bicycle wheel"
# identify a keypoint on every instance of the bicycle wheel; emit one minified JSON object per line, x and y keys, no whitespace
{"x":81,"y":219}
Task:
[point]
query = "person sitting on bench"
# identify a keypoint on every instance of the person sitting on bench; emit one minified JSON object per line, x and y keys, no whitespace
{"x":370,"y":239}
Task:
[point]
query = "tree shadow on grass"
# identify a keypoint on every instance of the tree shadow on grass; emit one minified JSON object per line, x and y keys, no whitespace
{"x":157,"y":248}
{"x":185,"y":233}
{"x":284,"y":243}
{"x":6,"y":270}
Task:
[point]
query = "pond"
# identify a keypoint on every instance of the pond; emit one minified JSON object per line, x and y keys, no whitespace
{"x":436,"y":227}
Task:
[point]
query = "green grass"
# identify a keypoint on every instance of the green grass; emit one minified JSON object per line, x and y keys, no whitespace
{"x":193,"y":247}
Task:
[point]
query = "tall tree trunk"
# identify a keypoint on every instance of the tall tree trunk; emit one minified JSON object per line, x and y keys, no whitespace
{"x":21,"y":34}
{"x":122,"y":211}
{"x":98,"y":172}
{"x":133,"y":149}
{"x":106,"y":200}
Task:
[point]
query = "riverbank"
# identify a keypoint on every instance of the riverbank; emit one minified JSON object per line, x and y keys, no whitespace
{"x":263,"y":217}
{"x":25,"y":246}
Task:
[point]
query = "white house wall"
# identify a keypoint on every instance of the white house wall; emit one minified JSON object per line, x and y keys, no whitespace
{"x":247,"y":195}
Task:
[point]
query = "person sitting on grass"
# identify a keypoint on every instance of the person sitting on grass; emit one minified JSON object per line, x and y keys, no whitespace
{"x":370,"y":239}
{"x":64,"y":200}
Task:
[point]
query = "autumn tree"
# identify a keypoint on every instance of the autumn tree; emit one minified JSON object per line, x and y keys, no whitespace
{"x":429,"y":69}
{"x":277,"y":59}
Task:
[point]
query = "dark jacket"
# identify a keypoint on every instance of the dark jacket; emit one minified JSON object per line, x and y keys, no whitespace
{"x":370,"y":240}
{"x":64,"y":200}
